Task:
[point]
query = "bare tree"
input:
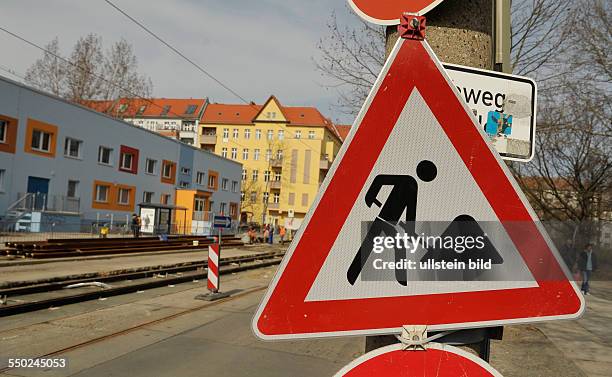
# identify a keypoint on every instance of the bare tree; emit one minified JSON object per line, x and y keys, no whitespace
{"x":90,"y":73}
{"x":352,"y":57}
{"x":540,"y":32}
{"x":49,"y":72}
{"x":121,"y":68}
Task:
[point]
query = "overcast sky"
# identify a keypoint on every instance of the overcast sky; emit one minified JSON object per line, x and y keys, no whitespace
{"x":256,"y":47}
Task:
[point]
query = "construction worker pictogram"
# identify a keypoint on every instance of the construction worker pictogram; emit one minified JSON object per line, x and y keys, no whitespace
{"x":403,"y":199}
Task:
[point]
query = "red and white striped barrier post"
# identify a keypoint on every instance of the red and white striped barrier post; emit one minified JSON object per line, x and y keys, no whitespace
{"x":213,"y":267}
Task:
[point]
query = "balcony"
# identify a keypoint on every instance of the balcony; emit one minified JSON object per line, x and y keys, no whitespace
{"x":276,"y":163}
{"x":273,"y":206}
{"x":275,"y":185}
{"x":39,"y":202}
{"x":208,"y":139}
{"x":324,"y":164}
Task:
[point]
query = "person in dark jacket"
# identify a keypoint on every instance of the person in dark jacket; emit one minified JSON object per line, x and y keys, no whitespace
{"x":587,"y":263}
{"x":568,"y":254}
{"x":135,"y":224}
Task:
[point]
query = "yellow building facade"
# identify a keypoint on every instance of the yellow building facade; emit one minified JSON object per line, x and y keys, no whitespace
{"x":286,"y":153}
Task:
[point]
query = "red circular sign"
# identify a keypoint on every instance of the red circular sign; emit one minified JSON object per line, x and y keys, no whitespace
{"x":439,"y":360}
{"x":388,"y":12}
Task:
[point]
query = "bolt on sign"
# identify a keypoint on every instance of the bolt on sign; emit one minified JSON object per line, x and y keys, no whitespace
{"x":386,"y":12}
{"x":418,"y":222}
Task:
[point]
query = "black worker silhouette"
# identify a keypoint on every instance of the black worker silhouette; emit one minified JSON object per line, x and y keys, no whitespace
{"x":403,"y":198}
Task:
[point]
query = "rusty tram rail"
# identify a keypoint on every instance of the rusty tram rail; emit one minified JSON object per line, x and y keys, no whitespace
{"x":172,"y":275}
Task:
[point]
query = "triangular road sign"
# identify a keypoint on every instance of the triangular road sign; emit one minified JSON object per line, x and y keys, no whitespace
{"x":415,"y":153}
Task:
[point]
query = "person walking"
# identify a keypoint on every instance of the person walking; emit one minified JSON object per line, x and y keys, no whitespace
{"x":568,"y":254}
{"x":587,"y":263}
{"x":281,"y":234}
{"x":271,"y":235}
{"x":136,"y":225}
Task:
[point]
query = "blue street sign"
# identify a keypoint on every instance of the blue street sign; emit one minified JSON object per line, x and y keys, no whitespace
{"x":222,"y":222}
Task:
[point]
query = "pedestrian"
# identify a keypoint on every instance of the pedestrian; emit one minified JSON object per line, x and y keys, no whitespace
{"x":136,"y":225}
{"x":251,"y":234}
{"x":587,"y":263}
{"x":271,"y":235}
{"x":281,"y":233}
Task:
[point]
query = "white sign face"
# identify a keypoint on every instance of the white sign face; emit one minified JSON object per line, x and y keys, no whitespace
{"x":147,"y":220}
{"x":504,"y":105}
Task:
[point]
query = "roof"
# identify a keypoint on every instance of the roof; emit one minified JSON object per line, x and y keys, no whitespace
{"x":343,"y":130}
{"x":217,"y":113}
{"x":239,"y":114}
{"x":179,"y":108}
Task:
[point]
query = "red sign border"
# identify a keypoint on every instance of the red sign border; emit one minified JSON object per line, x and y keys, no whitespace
{"x":289,"y":316}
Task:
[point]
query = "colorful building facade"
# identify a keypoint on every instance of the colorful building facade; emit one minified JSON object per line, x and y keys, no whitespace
{"x":67,"y":162}
{"x":285,"y":151}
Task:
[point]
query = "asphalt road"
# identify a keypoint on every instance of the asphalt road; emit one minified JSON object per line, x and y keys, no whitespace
{"x":216,"y":340}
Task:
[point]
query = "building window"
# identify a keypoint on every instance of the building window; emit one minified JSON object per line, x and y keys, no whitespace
{"x":311,"y":134}
{"x":253,"y":197}
{"x":191,"y":109}
{"x":41,"y":141}
{"x":123,"y":196}
{"x":281,"y":134}
{"x":72,"y":148}
{"x":2,"y":175}
{"x":127,"y":161}
{"x":3,"y":131}
{"x":256,"y":154}
{"x":277,"y":176}
{"x":151,"y":166}
{"x":147,"y":197}
{"x":257,"y":134}
{"x":224,"y":152}
{"x":233,"y":210}
{"x":298,"y":134}
{"x":235,"y":133}
{"x":247,"y":133}
{"x":186,"y":171}
{"x":105,"y":156}
{"x":167,"y":171}
{"x":212,"y":181}
{"x":200,"y":178}
{"x":244,"y":174}
{"x":279,"y":154}
{"x":245,"y":154}
{"x":234,"y":186}
{"x":267,"y":176}
{"x":225,"y":134}
{"x":234,"y":153}
{"x":266,"y":197}
{"x":270,"y":134}
{"x":276,"y":197}
{"x":255,"y":175}
{"x":165,"y":199}
{"x":224,"y":183}
{"x":268,"y":154}
{"x":223,"y":208}
{"x":102,"y":193}
{"x":73,"y":189}
{"x":183,"y":184}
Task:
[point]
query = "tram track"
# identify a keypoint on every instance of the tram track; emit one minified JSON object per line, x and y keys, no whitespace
{"x":28,"y":298}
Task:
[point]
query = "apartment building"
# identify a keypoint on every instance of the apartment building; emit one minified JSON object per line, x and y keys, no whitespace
{"x":285,"y":151}
{"x":177,"y":118}
{"x":61,"y":162}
